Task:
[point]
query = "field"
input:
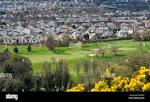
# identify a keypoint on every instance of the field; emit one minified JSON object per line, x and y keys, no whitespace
{"x":73,"y":55}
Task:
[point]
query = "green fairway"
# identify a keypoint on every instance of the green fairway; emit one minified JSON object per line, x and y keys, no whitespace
{"x":73,"y":55}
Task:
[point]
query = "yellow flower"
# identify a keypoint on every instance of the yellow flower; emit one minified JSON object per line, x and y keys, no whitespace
{"x":136,"y":83}
{"x":108,"y":71}
{"x":114,"y":88}
{"x":95,"y":90}
{"x":140,"y":77}
{"x":146,"y":87}
{"x":142,"y":68}
{"x":106,"y":90}
{"x":101,"y":84}
{"x":78,"y":88}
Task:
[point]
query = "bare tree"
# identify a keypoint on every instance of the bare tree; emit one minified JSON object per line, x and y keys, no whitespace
{"x":51,"y":43}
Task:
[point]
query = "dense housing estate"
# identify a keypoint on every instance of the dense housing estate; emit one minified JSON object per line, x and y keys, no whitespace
{"x":31,"y":21}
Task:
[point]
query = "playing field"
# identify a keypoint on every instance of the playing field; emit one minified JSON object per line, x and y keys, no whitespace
{"x":73,"y":55}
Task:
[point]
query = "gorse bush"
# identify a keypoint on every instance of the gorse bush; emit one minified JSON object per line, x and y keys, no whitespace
{"x":140,"y":81}
{"x":90,"y":71}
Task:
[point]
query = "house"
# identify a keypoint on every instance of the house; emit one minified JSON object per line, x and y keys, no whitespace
{"x":75,"y":35}
{"x":122,"y":33}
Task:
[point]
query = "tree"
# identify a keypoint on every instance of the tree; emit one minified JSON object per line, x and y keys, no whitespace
{"x":51,"y":43}
{"x":48,"y":79}
{"x":16,"y":50}
{"x":21,"y":69}
{"x":77,"y":69}
{"x":29,"y":48}
{"x":142,"y":35}
{"x":64,"y":40}
{"x":62,"y":75}
{"x":67,"y":24}
{"x":57,"y":80}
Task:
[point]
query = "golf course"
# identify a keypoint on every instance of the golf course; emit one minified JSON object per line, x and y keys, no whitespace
{"x":72,"y":55}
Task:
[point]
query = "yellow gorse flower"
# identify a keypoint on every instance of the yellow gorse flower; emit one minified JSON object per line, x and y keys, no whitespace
{"x":78,"y":88}
{"x":139,"y":82}
{"x":146,"y":87}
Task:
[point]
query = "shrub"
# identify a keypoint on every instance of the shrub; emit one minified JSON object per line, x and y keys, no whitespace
{"x":90,"y":72}
{"x":137,"y":60}
{"x":4,"y":56}
{"x":20,"y":67}
{"x":78,"y":69}
{"x":48,"y":78}
{"x":21,"y":70}
{"x":78,"y":88}
{"x":38,"y":83}
{"x":56,"y":80}
{"x":3,"y":84}
{"x":6,"y":50}
{"x":29,"y":48}
{"x":14,"y":85}
{"x":139,"y":82}
{"x":62,"y":75}
{"x":16,"y":50}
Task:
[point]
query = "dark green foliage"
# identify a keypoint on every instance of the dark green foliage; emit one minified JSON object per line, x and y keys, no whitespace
{"x":14,"y":85}
{"x":20,"y":68}
{"x":16,"y":50}
{"x":37,"y":83}
{"x":3,"y":84}
{"x":29,"y":48}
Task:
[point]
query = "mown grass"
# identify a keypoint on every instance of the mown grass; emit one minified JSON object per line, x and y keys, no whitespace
{"x":39,"y":55}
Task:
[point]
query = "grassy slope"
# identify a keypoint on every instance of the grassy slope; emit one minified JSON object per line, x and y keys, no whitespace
{"x":73,"y":55}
